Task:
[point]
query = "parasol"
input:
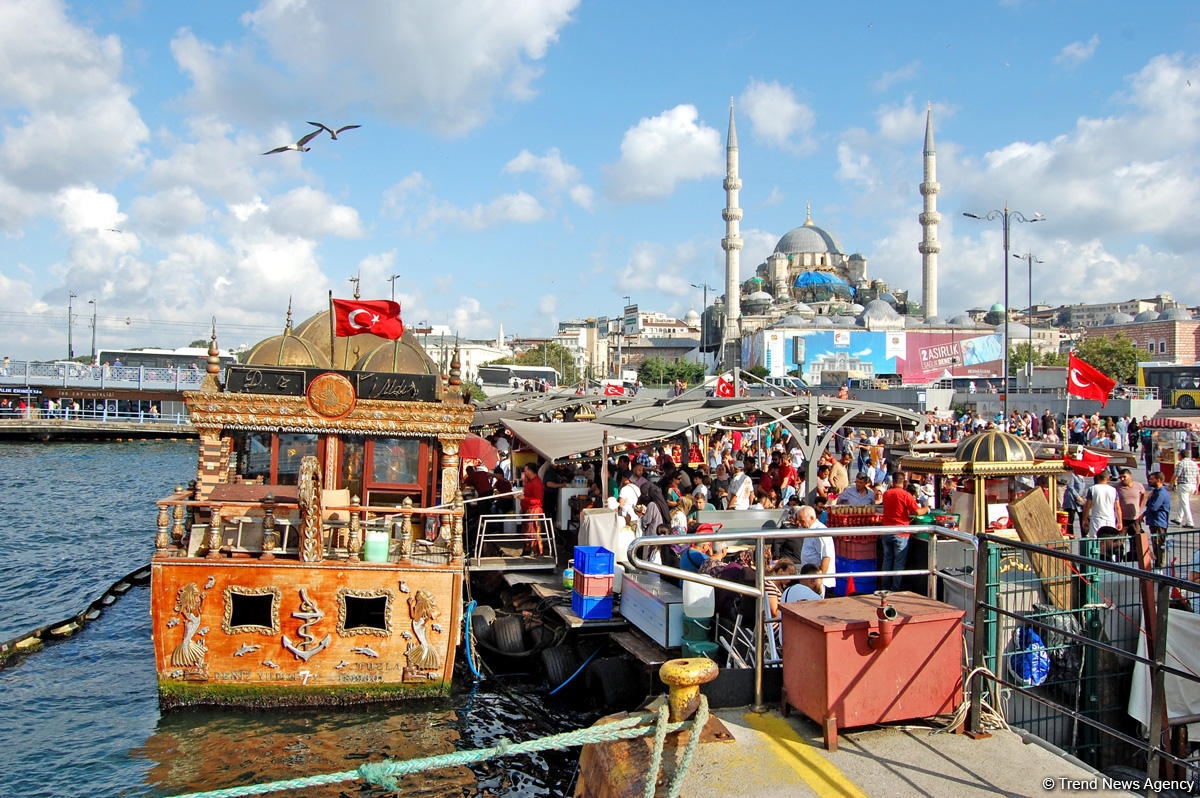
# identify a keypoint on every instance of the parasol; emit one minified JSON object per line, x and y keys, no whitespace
{"x":474,"y":447}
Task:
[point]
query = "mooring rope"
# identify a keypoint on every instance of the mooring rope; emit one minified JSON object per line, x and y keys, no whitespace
{"x":385,"y":773}
{"x":31,"y":641}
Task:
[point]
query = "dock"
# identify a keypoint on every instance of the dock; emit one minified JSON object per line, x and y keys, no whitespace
{"x":57,"y":429}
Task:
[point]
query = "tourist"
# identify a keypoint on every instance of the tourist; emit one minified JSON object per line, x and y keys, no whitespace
{"x":810,"y":586}
{"x":858,"y":496}
{"x":1132,"y":496}
{"x":899,"y":507}
{"x":1185,"y":479}
{"x":1101,"y":508}
{"x":817,"y":550}
{"x":627,"y":499}
{"x":1157,"y":513}
{"x":1074,"y":496}
{"x":741,"y":489}
{"x":532,"y":492}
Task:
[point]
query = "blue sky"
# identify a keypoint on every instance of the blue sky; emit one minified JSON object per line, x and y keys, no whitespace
{"x":525,"y":162}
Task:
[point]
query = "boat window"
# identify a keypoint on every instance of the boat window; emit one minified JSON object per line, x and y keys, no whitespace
{"x":254,"y":455}
{"x":293,"y":447}
{"x":352,"y":465}
{"x":251,"y":610}
{"x":364,"y":612}
{"x":395,"y":461}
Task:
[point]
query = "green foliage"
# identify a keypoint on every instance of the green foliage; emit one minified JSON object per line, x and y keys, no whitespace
{"x":1115,"y":355}
{"x":660,"y":371}
{"x":1018,"y":356}
{"x":199,"y":343}
{"x":758,"y":371}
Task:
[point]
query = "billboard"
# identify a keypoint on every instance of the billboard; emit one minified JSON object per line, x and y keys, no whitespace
{"x":918,"y":357}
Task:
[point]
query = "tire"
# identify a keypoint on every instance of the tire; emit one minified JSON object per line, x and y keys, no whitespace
{"x":508,"y":634}
{"x":481,"y":623}
{"x":1185,"y":402}
{"x":560,"y":663}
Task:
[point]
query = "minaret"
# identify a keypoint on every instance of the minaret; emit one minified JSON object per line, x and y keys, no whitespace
{"x":929,"y":246}
{"x":732,"y":242}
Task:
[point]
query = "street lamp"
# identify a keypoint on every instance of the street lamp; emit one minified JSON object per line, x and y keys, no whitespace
{"x":621,"y":335}
{"x":393,"y":280}
{"x":703,"y":322}
{"x":92,"y":302}
{"x":1005,"y":215}
{"x":1030,"y":259}
{"x":70,"y":346}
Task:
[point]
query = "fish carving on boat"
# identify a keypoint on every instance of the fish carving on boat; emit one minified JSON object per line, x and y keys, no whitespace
{"x":366,"y":651}
{"x":246,"y":648}
{"x":190,"y":651}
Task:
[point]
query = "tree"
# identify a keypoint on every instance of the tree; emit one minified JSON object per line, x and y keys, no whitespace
{"x":1116,"y":356}
{"x":758,"y":371}
{"x":660,"y":371}
{"x":199,"y":343}
{"x":1018,"y":356}
{"x":552,"y":354}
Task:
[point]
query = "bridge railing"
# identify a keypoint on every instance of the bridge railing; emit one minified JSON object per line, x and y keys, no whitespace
{"x":82,"y":375}
{"x":102,"y":414}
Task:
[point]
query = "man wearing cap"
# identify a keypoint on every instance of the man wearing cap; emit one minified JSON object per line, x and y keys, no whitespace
{"x":741,"y":489}
{"x":1186,"y":477}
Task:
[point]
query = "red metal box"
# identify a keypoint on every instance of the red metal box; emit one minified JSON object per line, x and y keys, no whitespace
{"x":837,"y":675}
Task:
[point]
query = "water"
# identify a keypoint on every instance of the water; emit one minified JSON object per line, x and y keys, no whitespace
{"x":81,"y":717}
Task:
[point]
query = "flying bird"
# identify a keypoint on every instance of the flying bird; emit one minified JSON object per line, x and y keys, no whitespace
{"x":333,"y":134}
{"x":299,"y":146}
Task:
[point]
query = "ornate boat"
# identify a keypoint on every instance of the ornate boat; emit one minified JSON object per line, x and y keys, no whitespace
{"x":317,"y":558}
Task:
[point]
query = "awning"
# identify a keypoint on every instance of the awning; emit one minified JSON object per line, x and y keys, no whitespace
{"x":1168,"y":422}
{"x":557,"y":440}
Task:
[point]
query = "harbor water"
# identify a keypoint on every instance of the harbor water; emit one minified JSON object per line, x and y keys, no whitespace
{"x":81,"y":716}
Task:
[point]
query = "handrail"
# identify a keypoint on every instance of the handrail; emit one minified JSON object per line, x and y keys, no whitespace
{"x":760,"y":536}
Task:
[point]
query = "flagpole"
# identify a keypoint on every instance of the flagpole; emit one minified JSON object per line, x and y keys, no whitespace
{"x":332,"y":333}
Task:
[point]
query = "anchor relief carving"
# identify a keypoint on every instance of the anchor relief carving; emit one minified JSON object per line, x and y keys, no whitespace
{"x":308,"y":645}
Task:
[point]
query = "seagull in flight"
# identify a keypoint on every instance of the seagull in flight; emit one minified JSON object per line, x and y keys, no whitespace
{"x":299,"y":146}
{"x":333,"y":134}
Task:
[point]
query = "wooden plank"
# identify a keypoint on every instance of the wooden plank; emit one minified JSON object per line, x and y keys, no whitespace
{"x":1035,"y":523}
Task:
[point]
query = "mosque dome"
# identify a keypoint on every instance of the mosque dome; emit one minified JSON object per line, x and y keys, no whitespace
{"x":791,"y":320}
{"x":804,"y":310}
{"x":692,"y":319}
{"x":286,"y":350}
{"x":961,"y":320}
{"x":1175,"y":314}
{"x":1116,"y":318}
{"x":994,"y":446}
{"x":808,"y":238}
{"x":757,"y":302}
{"x":845,"y":321}
{"x":913,"y":321}
{"x":856,"y":308}
{"x":935,"y":321}
{"x":879,"y":310}
{"x":996,"y":308}
{"x":887,"y":297}
{"x":1018,"y":332}
{"x":821,"y":321}
{"x":1147,"y":315}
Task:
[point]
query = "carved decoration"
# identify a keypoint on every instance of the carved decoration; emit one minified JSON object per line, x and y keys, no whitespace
{"x":227,"y":621}
{"x":331,"y":395}
{"x":190,"y":652}
{"x":308,"y":497}
{"x":423,"y":658}
{"x":343,"y":592}
{"x":161,"y":540}
{"x":308,"y":646}
{"x":405,"y":531}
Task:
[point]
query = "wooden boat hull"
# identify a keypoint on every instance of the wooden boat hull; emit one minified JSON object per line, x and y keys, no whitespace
{"x":249,"y":632}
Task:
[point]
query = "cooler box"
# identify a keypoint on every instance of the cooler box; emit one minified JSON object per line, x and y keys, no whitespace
{"x":655,"y":607}
{"x":832,"y":675}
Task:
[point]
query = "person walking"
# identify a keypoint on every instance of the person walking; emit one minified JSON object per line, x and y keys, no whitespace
{"x":898,"y":508}
{"x":1185,"y":480}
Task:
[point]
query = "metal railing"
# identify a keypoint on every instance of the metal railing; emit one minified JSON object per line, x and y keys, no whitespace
{"x":93,"y":416}
{"x":80,"y":375}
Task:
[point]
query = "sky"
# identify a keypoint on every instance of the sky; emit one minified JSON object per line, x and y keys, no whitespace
{"x":522,"y":163}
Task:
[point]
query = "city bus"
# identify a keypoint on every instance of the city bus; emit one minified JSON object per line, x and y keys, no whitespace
{"x":181,"y":358}
{"x":514,"y":376}
{"x":1178,"y":385}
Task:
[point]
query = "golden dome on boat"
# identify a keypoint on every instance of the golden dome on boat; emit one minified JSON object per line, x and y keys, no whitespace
{"x":286,"y":350}
{"x":994,"y":446}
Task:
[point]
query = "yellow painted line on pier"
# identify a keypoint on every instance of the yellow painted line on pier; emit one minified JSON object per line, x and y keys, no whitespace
{"x":816,"y":771}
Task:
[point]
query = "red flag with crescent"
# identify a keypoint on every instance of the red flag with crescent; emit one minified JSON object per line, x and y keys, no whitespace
{"x":375,"y":316}
{"x":613,"y":389}
{"x":1082,"y":461}
{"x":1088,"y":382}
{"x":724,"y":387}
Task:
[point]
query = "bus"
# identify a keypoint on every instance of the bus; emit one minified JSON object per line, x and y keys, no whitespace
{"x":514,"y":376}
{"x":182,"y":358}
{"x":1178,"y":385}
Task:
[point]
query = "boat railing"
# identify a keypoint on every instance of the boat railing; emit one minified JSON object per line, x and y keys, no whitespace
{"x":760,"y":539}
{"x":268,"y":527}
{"x":514,"y":541}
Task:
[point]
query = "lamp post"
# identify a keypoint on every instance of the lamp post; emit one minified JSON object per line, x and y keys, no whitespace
{"x":1006,"y":216}
{"x":70,"y":318}
{"x":92,"y":302}
{"x":703,"y":322}
{"x":621,"y":335}
{"x":1030,"y":259}
{"x":393,"y":280}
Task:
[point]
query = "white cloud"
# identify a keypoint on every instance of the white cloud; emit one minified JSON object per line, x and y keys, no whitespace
{"x":659,"y":152}
{"x":519,"y":208}
{"x":1076,"y":53}
{"x":471,"y":320}
{"x":776,"y":197}
{"x":305,"y":212}
{"x":653,"y":267}
{"x":557,"y":175}
{"x":900,"y":75}
{"x":168,"y":213}
{"x":438,"y":63}
{"x":777,"y":117}
{"x":548,"y":305}
{"x":77,"y":122}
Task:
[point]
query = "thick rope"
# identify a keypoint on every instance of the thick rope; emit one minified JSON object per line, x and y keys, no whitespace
{"x":385,"y":773}
{"x":660,"y":738}
{"x":698,"y":723}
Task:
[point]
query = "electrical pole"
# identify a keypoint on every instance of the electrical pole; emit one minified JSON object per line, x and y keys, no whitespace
{"x":92,"y":302}
{"x":70,"y":318}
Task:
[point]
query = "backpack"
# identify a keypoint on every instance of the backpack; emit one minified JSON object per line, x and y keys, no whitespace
{"x":1028,"y":662}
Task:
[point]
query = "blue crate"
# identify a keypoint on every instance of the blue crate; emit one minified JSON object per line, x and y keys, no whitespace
{"x":862,"y":584}
{"x":591,"y":608}
{"x":594,"y":560}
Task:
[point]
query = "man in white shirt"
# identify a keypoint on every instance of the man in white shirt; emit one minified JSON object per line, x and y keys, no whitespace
{"x":817,"y":550}
{"x":627,"y":499}
{"x":741,"y":488}
{"x":1186,"y":477}
{"x":1102,"y":507}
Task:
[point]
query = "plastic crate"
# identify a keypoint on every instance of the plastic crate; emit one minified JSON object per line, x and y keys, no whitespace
{"x":591,"y":608}
{"x":595,"y":560}
{"x":855,"y":547}
{"x":862,"y":584}
{"x":593,"y":584}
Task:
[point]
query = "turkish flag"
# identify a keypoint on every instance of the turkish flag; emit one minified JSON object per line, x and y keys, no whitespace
{"x":724,"y":387}
{"x":1082,"y":461}
{"x":375,"y":316}
{"x":1087,"y":381}
{"x":612,"y":389}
